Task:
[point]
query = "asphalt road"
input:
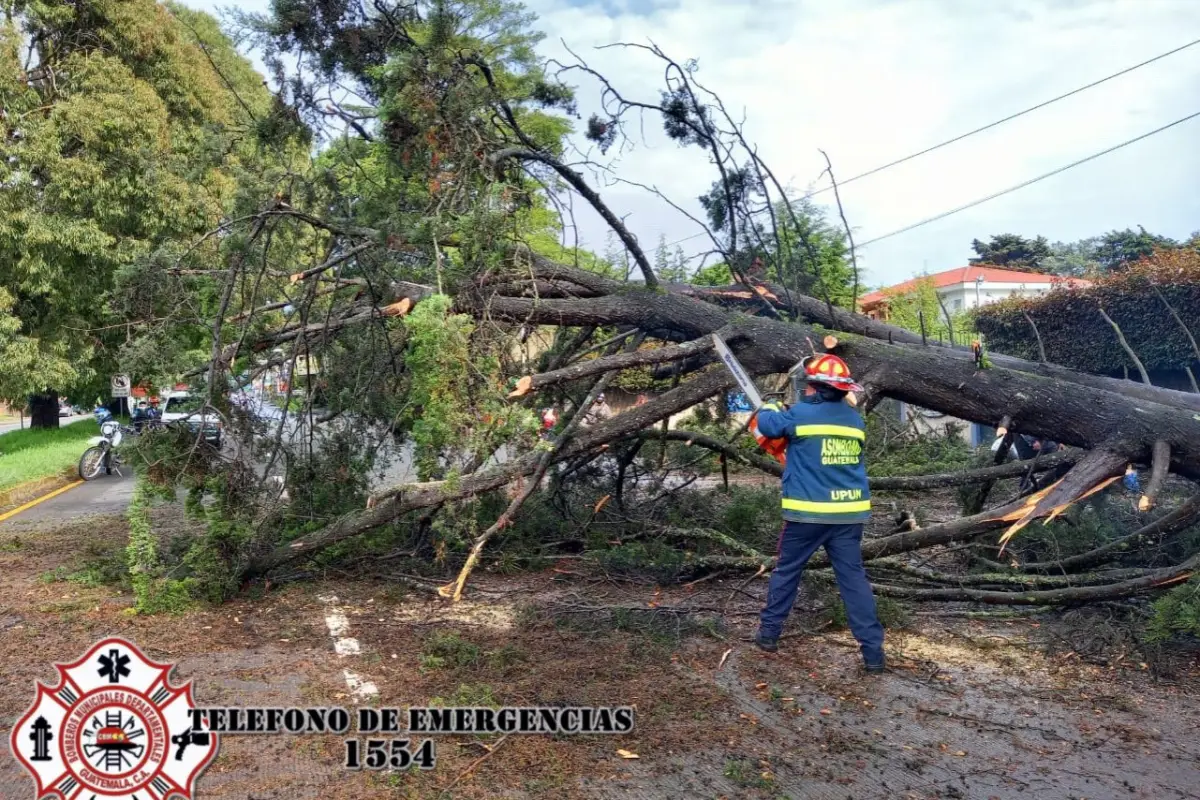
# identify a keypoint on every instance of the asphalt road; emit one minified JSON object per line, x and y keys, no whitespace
{"x":16,"y":426}
{"x":107,"y":494}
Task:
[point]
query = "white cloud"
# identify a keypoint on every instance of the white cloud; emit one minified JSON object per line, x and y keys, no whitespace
{"x":871,"y":81}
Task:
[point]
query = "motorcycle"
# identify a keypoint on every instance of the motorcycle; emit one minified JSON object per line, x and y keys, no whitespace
{"x":101,"y":454}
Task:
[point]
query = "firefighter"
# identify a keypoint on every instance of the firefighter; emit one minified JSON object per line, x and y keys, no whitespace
{"x":826,"y":500}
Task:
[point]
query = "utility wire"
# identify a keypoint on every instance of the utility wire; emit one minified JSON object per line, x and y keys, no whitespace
{"x":1009,"y":118}
{"x":1029,"y":182}
{"x":989,"y":126}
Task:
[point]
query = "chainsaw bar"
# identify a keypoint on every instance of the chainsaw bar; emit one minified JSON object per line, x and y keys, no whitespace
{"x":738,"y":371}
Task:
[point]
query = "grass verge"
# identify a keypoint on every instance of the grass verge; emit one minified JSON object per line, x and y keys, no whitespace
{"x":31,"y":454}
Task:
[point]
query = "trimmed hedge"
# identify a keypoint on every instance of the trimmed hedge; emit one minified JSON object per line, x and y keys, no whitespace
{"x":1074,"y":333}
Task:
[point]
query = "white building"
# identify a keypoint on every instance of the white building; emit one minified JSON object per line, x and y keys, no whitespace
{"x":968,"y":287}
{"x":960,"y":289}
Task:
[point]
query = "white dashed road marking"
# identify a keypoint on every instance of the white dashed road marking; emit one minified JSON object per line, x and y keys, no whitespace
{"x":346,"y":645}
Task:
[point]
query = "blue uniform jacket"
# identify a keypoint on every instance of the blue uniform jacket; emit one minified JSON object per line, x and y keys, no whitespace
{"x":825,"y":479}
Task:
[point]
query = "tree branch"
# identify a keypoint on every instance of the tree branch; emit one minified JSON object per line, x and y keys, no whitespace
{"x":1125,"y":346}
{"x":588,"y":193}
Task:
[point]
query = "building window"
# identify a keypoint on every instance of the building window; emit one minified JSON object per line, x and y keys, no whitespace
{"x":956,"y":304}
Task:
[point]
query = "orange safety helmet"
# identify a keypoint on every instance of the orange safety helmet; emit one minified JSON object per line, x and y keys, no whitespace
{"x":830,"y":370}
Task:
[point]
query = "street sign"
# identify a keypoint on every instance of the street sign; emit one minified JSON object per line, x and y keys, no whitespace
{"x":120,"y":385}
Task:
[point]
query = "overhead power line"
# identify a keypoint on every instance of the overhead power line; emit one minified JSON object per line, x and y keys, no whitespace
{"x":1009,"y":118}
{"x":1029,"y":182}
{"x":989,"y":126}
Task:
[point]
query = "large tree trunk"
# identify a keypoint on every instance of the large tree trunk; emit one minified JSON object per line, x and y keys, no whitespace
{"x":1119,"y":427}
{"x":43,"y":409}
{"x":1057,"y":408}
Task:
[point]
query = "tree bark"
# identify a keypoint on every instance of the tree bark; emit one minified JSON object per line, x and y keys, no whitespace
{"x":1053,"y":408}
{"x":43,"y":409}
{"x":1151,"y":581}
{"x":814,"y":311}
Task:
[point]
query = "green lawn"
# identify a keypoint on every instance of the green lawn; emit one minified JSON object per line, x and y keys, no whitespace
{"x":30,"y":454}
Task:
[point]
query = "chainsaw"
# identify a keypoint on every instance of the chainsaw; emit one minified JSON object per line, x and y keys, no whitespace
{"x":774,"y":447}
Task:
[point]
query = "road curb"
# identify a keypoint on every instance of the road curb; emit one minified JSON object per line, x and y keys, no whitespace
{"x":32,"y":489}
{"x":12,"y":504}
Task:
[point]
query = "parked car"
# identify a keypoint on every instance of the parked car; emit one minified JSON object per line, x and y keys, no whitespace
{"x":185,"y":407}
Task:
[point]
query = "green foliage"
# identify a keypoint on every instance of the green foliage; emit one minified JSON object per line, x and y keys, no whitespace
{"x":1072,"y":259}
{"x":330,"y":481}
{"x":653,"y":558}
{"x":920,"y":301}
{"x":717,"y":274}
{"x":455,"y":398}
{"x":895,"y":449}
{"x":1075,"y":335}
{"x":39,"y":453}
{"x":438,"y":361}
{"x":1012,"y":251}
{"x":668,"y":266}
{"x":122,"y":141}
{"x":154,"y":592}
{"x":811,"y":254}
{"x":448,"y":649}
{"x":1176,"y":613}
{"x":1117,"y":250}
{"x":1097,"y":521}
{"x":1086,"y":258}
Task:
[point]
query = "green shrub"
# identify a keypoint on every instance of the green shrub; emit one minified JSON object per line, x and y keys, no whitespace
{"x":448,"y":649}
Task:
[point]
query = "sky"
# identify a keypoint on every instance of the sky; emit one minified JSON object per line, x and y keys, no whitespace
{"x":870,"y":81}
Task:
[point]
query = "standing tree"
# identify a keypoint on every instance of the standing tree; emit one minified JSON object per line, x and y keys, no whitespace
{"x":1117,"y":249}
{"x":1072,"y":259}
{"x":122,"y":137}
{"x":1012,"y":251}
{"x":670,"y":267}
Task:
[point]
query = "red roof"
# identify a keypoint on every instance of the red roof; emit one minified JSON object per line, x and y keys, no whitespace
{"x":969,"y":274}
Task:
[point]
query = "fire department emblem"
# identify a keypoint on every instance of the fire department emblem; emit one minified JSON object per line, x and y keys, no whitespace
{"x":114,"y":728}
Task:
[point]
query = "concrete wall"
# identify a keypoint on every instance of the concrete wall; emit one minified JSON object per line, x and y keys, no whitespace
{"x":926,"y":421}
{"x":960,"y":296}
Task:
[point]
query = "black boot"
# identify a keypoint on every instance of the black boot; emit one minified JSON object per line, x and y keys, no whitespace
{"x":875,"y":668}
{"x":768,"y":643}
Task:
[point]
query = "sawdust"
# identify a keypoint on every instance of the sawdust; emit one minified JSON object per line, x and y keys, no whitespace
{"x":492,"y":616}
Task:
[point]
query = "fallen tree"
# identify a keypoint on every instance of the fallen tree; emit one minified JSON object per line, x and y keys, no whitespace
{"x":425,"y":313}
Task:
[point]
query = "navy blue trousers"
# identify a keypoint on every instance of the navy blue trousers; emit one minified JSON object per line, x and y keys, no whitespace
{"x":843,"y":543}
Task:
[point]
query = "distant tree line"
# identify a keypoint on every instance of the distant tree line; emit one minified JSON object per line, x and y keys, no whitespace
{"x":1093,"y":256}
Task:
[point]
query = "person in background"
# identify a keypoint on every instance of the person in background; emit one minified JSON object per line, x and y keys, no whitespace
{"x":141,"y":413}
{"x":826,"y":500}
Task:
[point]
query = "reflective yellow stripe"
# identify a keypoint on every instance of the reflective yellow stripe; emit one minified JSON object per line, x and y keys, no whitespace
{"x":831,"y":430}
{"x":826,"y":508}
